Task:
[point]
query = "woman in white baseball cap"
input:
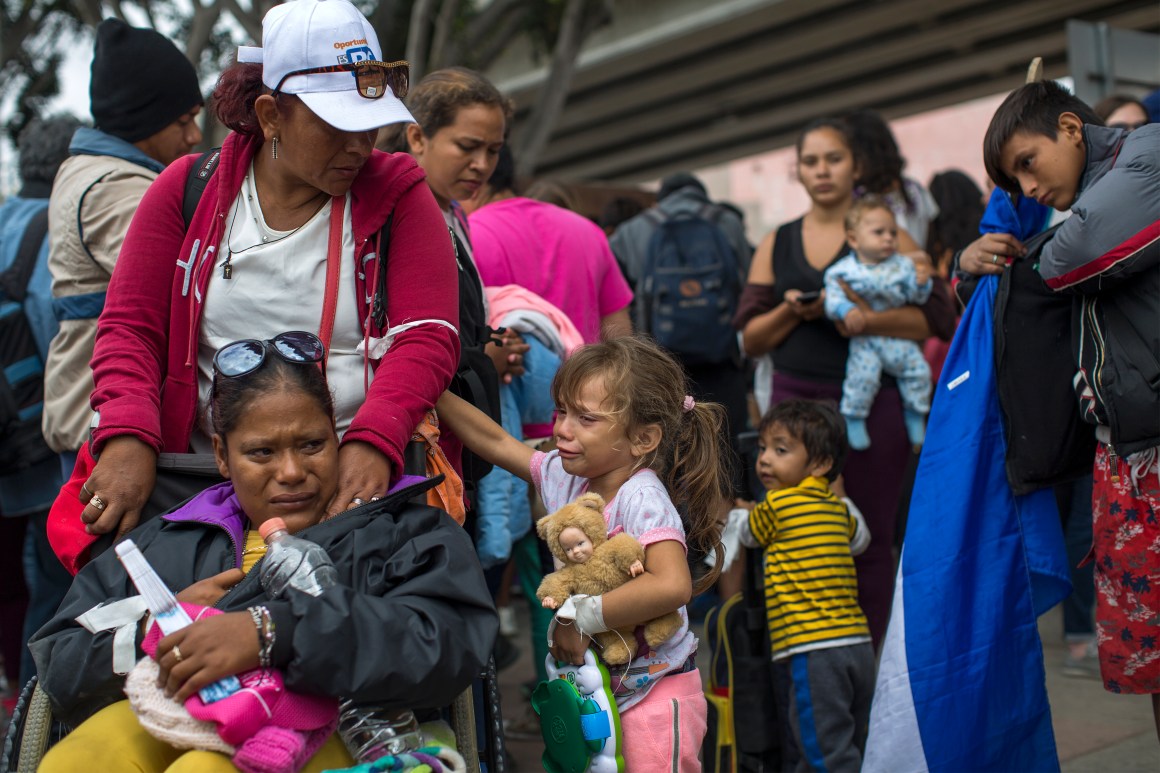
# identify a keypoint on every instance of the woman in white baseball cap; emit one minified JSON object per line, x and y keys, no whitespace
{"x":301,"y":225}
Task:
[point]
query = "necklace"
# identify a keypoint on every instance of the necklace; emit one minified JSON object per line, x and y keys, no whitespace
{"x":251,"y":551}
{"x":267,"y":233}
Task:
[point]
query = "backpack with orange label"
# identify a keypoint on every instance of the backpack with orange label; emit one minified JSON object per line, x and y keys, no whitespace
{"x":689,"y":288}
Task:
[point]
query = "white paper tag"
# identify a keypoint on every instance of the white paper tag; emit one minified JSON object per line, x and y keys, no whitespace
{"x":958,"y":380}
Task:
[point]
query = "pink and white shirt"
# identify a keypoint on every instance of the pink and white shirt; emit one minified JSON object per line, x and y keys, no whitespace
{"x":643,"y":509}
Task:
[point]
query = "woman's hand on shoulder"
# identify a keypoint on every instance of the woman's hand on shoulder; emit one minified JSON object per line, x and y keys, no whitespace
{"x":990,"y":254}
{"x":364,"y":473}
{"x":122,"y":481}
{"x":211,"y":648}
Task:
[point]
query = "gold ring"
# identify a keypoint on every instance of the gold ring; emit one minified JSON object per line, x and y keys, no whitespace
{"x":176,"y":653}
{"x":995,"y":258}
{"x":98,"y":503}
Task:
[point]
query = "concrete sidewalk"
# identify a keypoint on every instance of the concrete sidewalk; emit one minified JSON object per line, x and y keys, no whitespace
{"x":1094,"y":730}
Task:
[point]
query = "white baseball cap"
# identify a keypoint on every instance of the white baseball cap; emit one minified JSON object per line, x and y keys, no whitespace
{"x":305,"y":34}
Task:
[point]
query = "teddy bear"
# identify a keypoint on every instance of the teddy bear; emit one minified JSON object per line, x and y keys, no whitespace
{"x":594,"y":564}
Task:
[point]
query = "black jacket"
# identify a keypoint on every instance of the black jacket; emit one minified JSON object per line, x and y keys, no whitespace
{"x":1047,"y":440}
{"x":410,"y":623}
{"x":1108,"y":252}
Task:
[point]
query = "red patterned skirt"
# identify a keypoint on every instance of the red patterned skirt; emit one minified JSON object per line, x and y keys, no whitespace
{"x":1126,"y":548}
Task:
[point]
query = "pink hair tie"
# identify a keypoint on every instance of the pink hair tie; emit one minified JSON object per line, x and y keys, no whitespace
{"x":689,"y":403}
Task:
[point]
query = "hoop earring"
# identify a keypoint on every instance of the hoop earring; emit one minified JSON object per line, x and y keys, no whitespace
{"x":274,"y":148}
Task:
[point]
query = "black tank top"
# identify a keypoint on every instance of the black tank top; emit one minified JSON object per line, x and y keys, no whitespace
{"x":814,"y":350}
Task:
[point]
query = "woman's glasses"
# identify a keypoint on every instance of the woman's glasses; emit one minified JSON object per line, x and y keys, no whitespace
{"x":371,"y":78}
{"x":242,"y":357}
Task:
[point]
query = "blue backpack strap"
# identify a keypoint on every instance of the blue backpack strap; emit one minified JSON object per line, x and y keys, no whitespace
{"x":14,"y":281}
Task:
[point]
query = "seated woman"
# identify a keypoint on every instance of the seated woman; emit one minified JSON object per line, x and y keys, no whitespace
{"x":409,"y":624}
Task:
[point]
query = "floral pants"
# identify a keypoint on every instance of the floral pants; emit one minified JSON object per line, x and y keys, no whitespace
{"x":1126,"y":548}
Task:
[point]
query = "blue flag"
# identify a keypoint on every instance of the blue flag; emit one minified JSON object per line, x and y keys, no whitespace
{"x":961,"y":685}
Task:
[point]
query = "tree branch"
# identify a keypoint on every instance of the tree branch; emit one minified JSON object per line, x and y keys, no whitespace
{"x":382,"y":19}
{"x":554,"y":93}
{"x":444,"y":24}
{"x":496,"y":43}
{"x":147,"y":6}
{"x":251,"y":20}
{"x":88,"y":11}
{"x":418,"y":36}
{"x":481,"y":27}
{"x":204,"y":19}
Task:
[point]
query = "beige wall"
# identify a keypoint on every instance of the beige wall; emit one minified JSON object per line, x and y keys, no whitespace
{"x":766,"y":188}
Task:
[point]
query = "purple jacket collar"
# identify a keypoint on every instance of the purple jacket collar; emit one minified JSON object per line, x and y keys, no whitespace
{"x":216,"y":506}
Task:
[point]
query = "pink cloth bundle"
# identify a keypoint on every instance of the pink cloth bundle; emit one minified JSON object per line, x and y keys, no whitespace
{"x":274,"y":729}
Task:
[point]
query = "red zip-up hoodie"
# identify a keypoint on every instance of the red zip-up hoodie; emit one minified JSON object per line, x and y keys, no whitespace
{"x":145,"y":360}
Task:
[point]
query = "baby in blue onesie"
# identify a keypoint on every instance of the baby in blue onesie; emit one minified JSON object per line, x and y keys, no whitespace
{"x":886,"y":280}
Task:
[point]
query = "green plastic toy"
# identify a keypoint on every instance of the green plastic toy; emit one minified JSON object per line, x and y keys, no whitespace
{"x":578,"y":718}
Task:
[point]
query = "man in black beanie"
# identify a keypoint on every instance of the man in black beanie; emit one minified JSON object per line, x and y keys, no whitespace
{"x":145,"y":98}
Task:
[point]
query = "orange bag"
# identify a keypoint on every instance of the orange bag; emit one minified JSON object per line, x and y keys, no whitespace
{"x":448,"y":495}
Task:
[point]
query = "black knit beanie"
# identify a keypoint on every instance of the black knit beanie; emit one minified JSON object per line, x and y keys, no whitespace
{"x":141,"y":82}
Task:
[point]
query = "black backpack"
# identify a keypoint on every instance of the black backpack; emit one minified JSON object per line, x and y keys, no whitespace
{"x":689,"y":288}
{"x":22,"y":376}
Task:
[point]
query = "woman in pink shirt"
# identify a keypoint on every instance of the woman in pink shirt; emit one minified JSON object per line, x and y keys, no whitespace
{"x":559,"y":255}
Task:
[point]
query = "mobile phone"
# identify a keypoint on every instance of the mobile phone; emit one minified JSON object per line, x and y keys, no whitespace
{"x":810,"y":296}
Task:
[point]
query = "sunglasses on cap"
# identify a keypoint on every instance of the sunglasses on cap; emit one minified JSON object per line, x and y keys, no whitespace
{"x":243,"y":357}
{"x":371,"y":77}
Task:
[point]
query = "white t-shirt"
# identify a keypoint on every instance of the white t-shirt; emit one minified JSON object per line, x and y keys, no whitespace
{"x":643,"y":509}
{"x":278,"y":283}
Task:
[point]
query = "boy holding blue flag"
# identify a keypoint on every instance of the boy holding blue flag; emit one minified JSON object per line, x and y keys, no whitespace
{"x":1107,"y":254}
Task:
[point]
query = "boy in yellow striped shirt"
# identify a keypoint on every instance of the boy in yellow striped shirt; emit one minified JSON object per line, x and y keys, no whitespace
{"x":809,"y":536}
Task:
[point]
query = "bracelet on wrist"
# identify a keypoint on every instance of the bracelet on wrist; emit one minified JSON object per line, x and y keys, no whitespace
{"x":264,"y":624}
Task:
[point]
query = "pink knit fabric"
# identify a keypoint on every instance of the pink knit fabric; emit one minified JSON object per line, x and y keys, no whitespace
{"x":278,"y":750}
{"x":505,"y":299}
{"x":273,"y":728}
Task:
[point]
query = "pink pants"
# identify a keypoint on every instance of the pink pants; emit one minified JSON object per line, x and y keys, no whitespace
{"x":665,"y":730}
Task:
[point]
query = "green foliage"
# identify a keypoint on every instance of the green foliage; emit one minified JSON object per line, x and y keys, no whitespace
{"x":36,"y":35}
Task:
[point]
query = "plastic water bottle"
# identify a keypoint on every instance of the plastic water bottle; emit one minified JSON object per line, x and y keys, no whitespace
{"x":293,"y":562}
{"x":369,"y":732}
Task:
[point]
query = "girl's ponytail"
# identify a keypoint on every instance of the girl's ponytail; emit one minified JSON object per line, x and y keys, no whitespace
{"x":698,"y":476}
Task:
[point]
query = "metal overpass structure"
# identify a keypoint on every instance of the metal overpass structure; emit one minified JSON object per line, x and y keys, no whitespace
{"x":678,"y":84}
